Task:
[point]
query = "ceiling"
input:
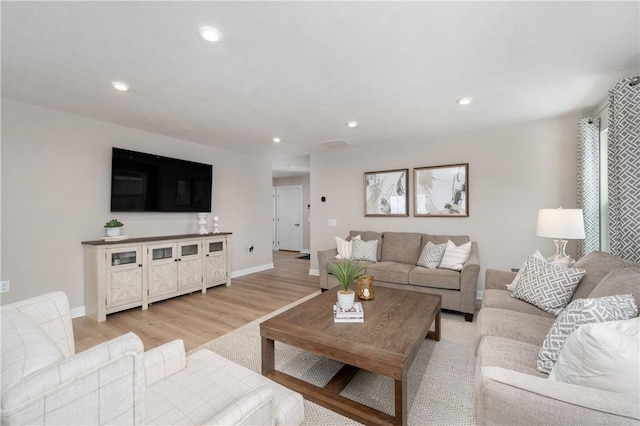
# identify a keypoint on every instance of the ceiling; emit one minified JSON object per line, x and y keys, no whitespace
{"x":301,"y":70}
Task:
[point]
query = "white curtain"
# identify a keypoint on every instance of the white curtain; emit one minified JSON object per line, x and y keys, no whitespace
{"x":624,"y":169}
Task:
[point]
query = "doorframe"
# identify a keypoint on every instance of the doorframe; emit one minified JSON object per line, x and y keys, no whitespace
{"x":275,"y":215}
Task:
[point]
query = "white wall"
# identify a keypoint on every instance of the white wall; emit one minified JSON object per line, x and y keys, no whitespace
{"x":56,"y":170}
{"x":513,"y":171}
{"x":304,"y":182}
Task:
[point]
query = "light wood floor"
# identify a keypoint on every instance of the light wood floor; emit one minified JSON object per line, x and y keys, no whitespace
{"x":198,"y":318}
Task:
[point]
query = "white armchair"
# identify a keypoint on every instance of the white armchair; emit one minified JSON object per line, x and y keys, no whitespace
{"x":45,"y":382}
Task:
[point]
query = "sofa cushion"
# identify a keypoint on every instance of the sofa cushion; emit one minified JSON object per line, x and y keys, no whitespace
{"x":578,"y":313}
{"x":392,"y":272}
{"x":439,"y":239}
{"x":369,"y":236}
{"x":403,"y":247}
{"x":455,"y":256}
{"x":434,"y":278}
{"x":512,"y":325}
{"x":431,"y":255}
{"x":625,"y":280}
{"x":510,"y":354}
{"x":547,"y":287}
{"x":597,"y":265}
{"x":502,"y":299}
{"x":602,"y":356}
{"x":364,"y":250}
{"x":25,"y":348}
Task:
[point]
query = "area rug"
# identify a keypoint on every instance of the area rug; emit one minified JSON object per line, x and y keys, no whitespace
{"x":440,"y":386}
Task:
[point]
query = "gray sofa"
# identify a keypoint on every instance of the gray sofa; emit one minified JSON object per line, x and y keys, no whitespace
{"x":510,"y":332}
{"x":398,"y":253}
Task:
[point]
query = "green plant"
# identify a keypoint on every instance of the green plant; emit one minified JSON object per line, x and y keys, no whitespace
{"x":113,"y":223}
{"x":346,"y":271}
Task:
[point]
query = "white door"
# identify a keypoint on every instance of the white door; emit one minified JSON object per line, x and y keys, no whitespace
{"x":288,"y":218}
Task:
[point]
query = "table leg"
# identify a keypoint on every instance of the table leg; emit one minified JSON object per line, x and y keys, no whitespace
{"x":268,"y":356}
{"x":401,"y":401}
{"x":435,"y":334}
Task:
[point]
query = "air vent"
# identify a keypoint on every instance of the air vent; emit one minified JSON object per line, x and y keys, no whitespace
{"x":334,"y":144}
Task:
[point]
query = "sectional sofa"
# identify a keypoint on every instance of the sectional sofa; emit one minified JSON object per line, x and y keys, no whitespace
{"x":396,"y":267}
{"x":508,"y":387}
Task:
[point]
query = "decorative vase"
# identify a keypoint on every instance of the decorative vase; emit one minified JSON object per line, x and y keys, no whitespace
{"x":216,"y":226}
{"x":365,"y":287}
{"x":202,"y":221}
{"x":114,"y":232}
{"x":346,"y":299}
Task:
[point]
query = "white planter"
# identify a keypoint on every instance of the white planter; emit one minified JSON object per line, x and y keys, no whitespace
{"x":114,"y":232}
{"x":346,"y":300}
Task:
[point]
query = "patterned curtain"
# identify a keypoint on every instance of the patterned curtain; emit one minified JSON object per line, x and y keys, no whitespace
{"x":624,"y":169}
{"x":589,"y":183}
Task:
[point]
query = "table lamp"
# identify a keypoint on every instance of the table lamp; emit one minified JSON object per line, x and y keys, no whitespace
{"x":561,"y":225}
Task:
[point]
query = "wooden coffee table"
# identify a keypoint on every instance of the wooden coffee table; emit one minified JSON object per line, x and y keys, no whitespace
{"x":395,"y":324}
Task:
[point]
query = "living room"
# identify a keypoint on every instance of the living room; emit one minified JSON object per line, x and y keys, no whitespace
{"x":518,"y":136}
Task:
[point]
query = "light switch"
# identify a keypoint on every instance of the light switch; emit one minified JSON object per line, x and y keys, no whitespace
{"x":333,"y":222}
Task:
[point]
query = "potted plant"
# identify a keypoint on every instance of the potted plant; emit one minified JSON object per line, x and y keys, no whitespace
{"x":346,"y":271}
{"x":113,"y":227}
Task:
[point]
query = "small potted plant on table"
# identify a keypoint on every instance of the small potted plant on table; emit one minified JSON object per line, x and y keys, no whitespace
{"x":113,"y":227}
{"x":346,"y":271}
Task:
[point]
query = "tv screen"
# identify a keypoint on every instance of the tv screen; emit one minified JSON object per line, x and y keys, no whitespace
{"x":151,"y":183}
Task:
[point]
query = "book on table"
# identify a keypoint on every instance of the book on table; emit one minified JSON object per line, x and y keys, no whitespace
{"x":355,"y":314}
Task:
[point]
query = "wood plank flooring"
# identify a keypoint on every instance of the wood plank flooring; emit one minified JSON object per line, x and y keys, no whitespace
{"x":198,"y":318}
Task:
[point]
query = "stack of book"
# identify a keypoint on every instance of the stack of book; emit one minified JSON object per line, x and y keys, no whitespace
{"x":355,"y":314}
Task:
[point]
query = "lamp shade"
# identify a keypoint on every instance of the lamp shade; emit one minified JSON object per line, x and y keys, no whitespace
{"x":560,"y":223}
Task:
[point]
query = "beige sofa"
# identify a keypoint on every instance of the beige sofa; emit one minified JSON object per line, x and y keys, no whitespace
{"x":45,"y":382}
{"x":398,"y":253}
{"x":508,"y":388}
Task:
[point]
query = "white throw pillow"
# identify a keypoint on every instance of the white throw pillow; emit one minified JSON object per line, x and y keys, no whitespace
{"x":578,"y":313}
{"x":365,"y":250}
{"x":563,"y":262}
{"x":603,"y":356}
{"x":455,"y":256}
{"x":345,"y":247}
{"x":431,"y":255}
{"x":547,"y":287}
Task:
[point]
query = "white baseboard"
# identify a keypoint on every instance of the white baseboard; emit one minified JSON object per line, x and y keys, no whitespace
{"x":252,"y":270}
{"x":314,"y":272}
{"x":77,"y":312}
{"x":305,"y":251}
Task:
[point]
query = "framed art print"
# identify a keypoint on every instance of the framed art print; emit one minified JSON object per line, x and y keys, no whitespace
{"x":441,"y":191}
{"x":385,"y":193}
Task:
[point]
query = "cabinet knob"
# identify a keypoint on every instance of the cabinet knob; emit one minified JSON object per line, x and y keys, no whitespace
{"x":140,"y":265}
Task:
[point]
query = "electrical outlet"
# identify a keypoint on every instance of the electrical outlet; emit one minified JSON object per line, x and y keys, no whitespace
{"x":5,"y":286}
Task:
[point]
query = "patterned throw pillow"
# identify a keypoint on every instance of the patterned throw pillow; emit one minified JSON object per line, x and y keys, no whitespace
{"x":563,"y":262}
{"x":578,"y":313}
{"x":455,"y":256}
{"x":546,"y":286}
{"x":431,"y":255}
{"x":365,"y":250}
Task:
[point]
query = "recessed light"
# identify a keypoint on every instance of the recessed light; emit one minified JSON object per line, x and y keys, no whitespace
{"x":123,"y":87}
{"x":464,"y":101}
{"x":277,"y":140}
{"x":209,"y":34}
{"x":352,"y":124}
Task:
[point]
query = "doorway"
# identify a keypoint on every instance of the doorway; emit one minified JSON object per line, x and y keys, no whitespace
{"x":288,"y":218}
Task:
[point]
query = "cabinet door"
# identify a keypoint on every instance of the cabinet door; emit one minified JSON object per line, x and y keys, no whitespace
{"x":215,"y":261}
{"x":189,"y":265}
{"x":124,"y":276}
{"x":162,"y":277}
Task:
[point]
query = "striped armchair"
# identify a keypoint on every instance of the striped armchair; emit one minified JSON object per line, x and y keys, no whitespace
{"x":45,"y":382}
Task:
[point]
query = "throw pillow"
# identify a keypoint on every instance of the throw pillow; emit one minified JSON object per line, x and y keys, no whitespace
{"x":365,"y":250}
{"x":455,"y":256}
{"x":431,"y":255}
{"x":547,"y":287}
{"x":563,"y":262}
{"x":578,"y":313}
{"x":344,"y":247}
{"x":602,"y":356}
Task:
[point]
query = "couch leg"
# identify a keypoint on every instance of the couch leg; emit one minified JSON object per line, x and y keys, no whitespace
{"x":468,"y":317}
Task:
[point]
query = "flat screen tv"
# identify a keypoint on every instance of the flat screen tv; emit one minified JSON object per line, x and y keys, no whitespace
{"x":151,"y":183}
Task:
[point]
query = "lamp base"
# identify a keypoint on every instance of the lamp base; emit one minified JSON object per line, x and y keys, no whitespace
{"x":560,"y":253}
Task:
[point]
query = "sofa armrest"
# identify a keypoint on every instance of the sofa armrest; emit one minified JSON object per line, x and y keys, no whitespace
{"x":254,"y":408}
{"x":102,"y":385}
{"x":324,"y":257}
{"x":510,"y":397}
{"x":164,"y":360}
{"x":497,"y":280}
{"x":469,"y":281}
